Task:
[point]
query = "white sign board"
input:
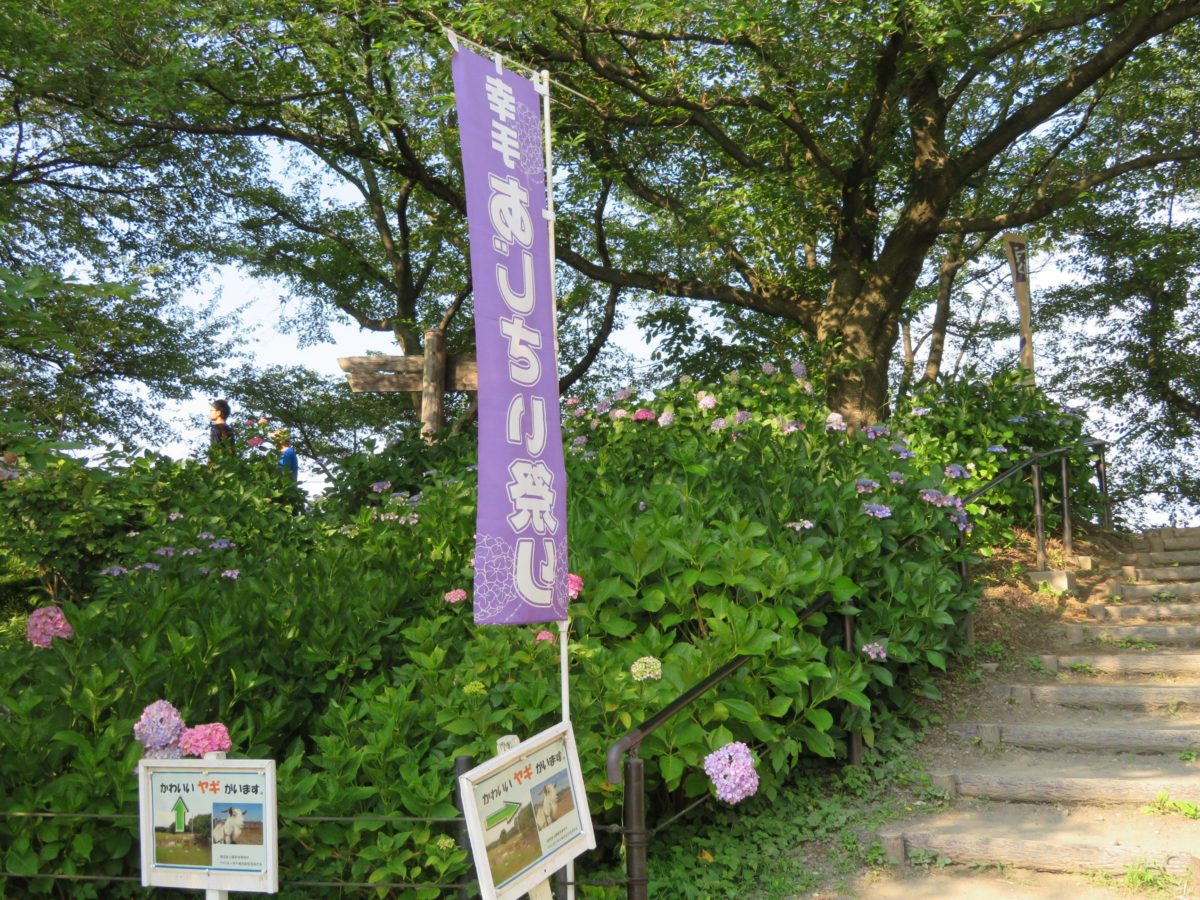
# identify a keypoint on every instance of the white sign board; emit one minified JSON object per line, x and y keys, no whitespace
{"x":527,"y":813}
{"x":209,"y":824}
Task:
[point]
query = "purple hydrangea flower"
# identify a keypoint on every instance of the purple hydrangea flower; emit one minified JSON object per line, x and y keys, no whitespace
{"x":835,"y":422}
{"x":603,"y":406}
{"x":792,"y":427}
{"x":159,"y":727}
{"x":624,"y":394}
{"x":920,"y":410}
{"x":741,"y":417}
{"x":580,"y":441}
{"x":45,"y":624}
{"x":875,"y":651}
{"x":896,"y":477}
{"x":150,"y":567}
{"x":205,"y":536}
{"x":800,"y":370}
{"x":768,"y":369}
{"x":878,"y":510}
{"x":954,"y":470}
{"x":221,"y":545}
{"x":876,"y":431}
{"x":719,"y":423}
{"x":175,"y":517}
{"x":231,"y":573}
{"x":731,"y":770}
{"x":865,"y":485}
{"x":380,"y":486}
{"x":114,"y":570}
{"x":579,"y":412}
{"x":165,"y":551}
{"x":666,"y":419}
{"x":997,"y":448}
{"x":901,"y":450}
{"x":190,"y":551}
{"x":708,"y":401}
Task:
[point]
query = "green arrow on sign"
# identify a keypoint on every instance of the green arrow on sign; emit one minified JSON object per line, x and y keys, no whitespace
{"x":503,"y":814}
{"x":180,"y":810}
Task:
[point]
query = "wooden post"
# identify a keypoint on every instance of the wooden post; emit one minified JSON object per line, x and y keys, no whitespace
{"x":433,"y":383}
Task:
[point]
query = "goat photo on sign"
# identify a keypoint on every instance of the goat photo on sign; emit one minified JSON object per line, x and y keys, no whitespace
{"x":237,"y":824}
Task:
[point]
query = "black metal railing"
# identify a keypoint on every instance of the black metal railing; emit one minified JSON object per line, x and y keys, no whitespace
{"x":637,"y":834}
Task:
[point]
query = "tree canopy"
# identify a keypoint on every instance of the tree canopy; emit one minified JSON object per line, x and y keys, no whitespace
{"x":810,"y":162}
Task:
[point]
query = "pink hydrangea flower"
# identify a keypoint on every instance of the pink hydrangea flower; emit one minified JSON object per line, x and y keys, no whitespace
{"x":708,"y":401}
{"x":458,"y":595}
{"x":666,"y":419}
{"x":624,"y":394}
{"x":255,"y":441}
{"x":210,"y":738}
{"x":644,"y":415}
{"x":544,"y":635}
{"x":46,"y":624}
{"x":574,"y":585}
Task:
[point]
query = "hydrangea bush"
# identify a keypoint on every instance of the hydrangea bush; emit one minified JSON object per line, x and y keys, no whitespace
{"x":343,"y":647}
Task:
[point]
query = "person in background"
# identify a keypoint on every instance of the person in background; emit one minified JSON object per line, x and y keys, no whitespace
{"x":288,"y":464}
{"x":220,"y":435}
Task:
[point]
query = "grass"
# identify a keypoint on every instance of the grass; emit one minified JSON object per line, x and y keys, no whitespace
{"x":1163,"y":805}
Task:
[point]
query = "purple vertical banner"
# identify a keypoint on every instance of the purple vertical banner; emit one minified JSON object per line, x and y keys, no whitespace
{"x":521,"y":525}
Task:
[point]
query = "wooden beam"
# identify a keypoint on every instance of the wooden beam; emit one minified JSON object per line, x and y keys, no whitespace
{"x":433,"y":383}
{"x":406,"y":373}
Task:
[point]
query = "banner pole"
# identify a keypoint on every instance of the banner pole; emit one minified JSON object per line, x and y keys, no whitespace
{"x":564,"y":624}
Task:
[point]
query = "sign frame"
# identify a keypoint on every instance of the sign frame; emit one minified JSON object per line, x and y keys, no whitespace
{"x":154,"y":874}
{"x":536,"y":872}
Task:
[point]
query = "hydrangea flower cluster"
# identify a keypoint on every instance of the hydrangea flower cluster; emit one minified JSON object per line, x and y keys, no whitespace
{"x":768,"y":369}
{"x":618,"y":414}
{"x":997,"y":448}
{"x":474,"y":689}
{"x":644,"y":415}
{"x":835,"y":422}
{"x":159,"y":730}
{"x":741,"y":417}
{"x":901,"y":450}
{"x":46,"y":624}
{"x":646,"y":668}
{"x":792,"y":427}
{"x":865,"y":485}
{"x":731,"y":770}
{"x":458,"y":595}
{"x":719,"y":423}
{"x":954,"y":470}
{"x":666,"y":419}
{"x":875,"y":651}
{"x":876,"y":431}
{"x":210,"y":738}
{"x":896,"y":477}
{"x":878,"y":510}
{"x":802,"y":525}
{"x":380,"y":486}
{"x":544,"y":635}
{"x":574,"y":585}
{"x":799,"y":370}
{"x":708,"y":401}
{"x":920,"y":410}
{"x":624,"y":394}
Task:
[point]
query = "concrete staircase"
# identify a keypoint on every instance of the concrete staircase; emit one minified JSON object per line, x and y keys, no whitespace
{"x":1054,"y":772}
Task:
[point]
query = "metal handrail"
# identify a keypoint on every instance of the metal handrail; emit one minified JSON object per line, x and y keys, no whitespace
{"x":1035,"y":458}
{"x":632,"y":739}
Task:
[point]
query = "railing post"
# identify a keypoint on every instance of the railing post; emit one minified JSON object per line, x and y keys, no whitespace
{"x":964,"y":578}
{"x":462,"y":765}
{"x":1039,"y":517}
{"x":856,"y":741}
{"x":1068,"y":544}
{"x":636,"y":865}
{"x":1102,"y":481}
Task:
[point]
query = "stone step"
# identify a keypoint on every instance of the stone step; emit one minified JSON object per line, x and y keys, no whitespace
{"x":1089,"y":738}
{"x":1052,"y":839}
{"x":1047,"y":788}
{"x":1162,"y":558}
{"x":1115,"y":634}
{"x":1141,"y":662}
{"x":1128,"y":696}
{"x":1144,"y":610}
{"x":1161,"y":573}
{"x":1126,"y":591}
{"x":1167,"y":542}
